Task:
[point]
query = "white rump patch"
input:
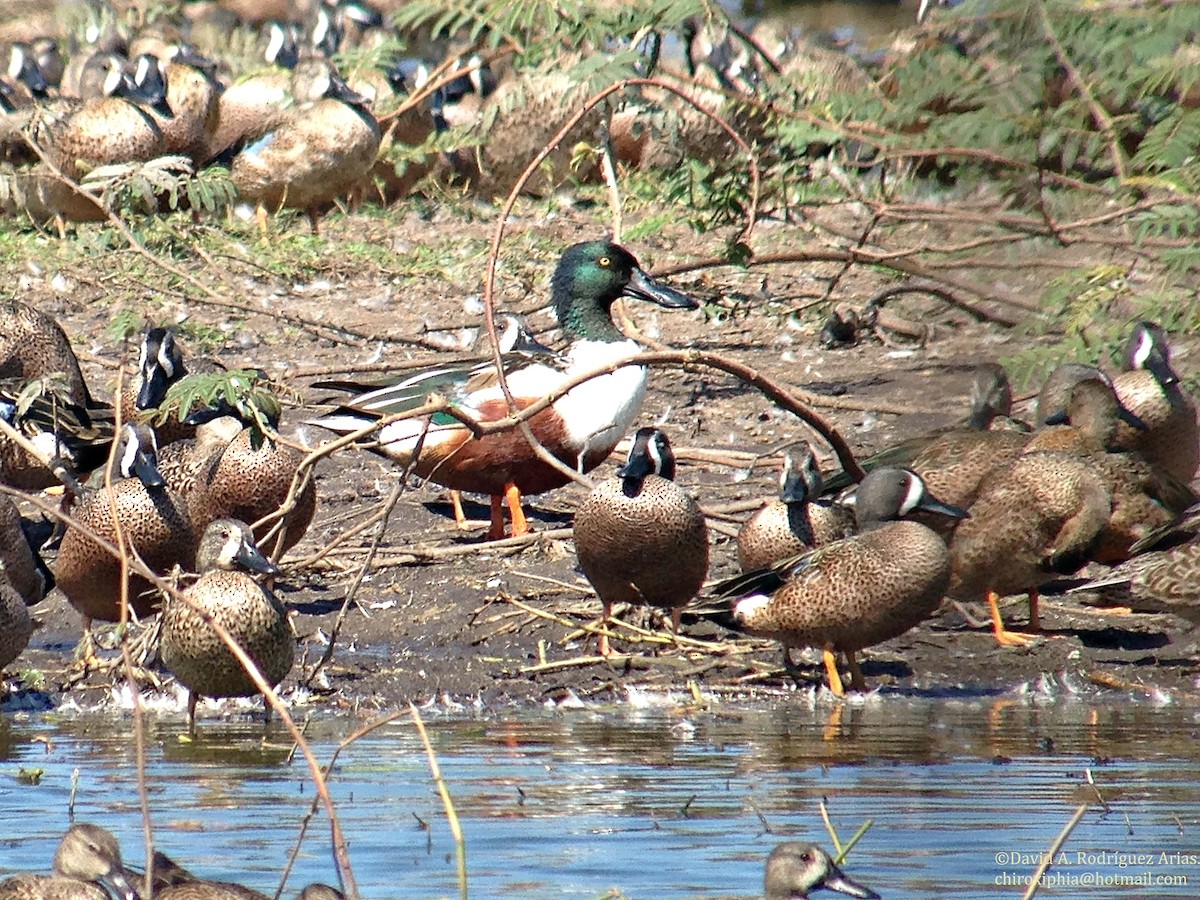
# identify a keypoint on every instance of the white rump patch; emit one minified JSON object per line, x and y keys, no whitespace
{"x":746,"y":608}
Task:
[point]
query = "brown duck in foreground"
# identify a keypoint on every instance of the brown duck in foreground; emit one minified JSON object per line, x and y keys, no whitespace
{"x":1040,"y":515}
{"x":794,"y":869}
{"x":191,"y":648}
{"x":856,"y":592}
{"x":87,"y":865}
{"x":639,"y":537}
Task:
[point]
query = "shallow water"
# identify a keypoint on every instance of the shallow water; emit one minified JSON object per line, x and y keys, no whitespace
{"x":658,"y":802}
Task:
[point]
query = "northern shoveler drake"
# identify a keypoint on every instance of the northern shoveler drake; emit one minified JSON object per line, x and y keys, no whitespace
{"x":641,"y":538}
{"x":856,"y":592}
{"x":793,"y":869}
{"x":253,"y":615}
{"x":87,"y":864}
{"x":797,"y":521}
{"x":580,"y":429}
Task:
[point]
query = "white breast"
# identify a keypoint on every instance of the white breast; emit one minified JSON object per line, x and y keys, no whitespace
{"x":596,"y":413}
{"x":599,"y":412}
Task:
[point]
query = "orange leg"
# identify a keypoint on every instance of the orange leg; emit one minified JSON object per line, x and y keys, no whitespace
{"x":460,"y":518}
{"x":1004,"y":637}
{"x":1035,"y":618}
{"x":676,"y":618}
{"x":520,"y":525}
{"x":496,"y":532}
{"x":831,"y":669}
{"x":605,"y":617}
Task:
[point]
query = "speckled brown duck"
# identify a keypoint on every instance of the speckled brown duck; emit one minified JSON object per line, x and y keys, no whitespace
{"x":115,"y":128}
{"x":15,"y":624}
{"x":154,"y":520}
{"x":33,"y":344}
{"x":67,"y":437}
{"x":859,"y":591}
{"x":23,"y":567}
{"x":254,"y":617}
{"x":953,"y":460}
{"x":1039,"y":516}
{"x":228,"y":471}
{"x":794,"y":869}
{"x":87,"y":865}
{"x":321,"y":149}
{"x":1143,"y":497}
{"x":188,"y":113}
{"x":640,"y":538}
{"x":797,"y":521}
{"x":1162,"y":581}
{"x":1150,"y":389}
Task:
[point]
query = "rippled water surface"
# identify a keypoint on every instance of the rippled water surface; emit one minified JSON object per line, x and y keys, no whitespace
{"x":660,"y":802}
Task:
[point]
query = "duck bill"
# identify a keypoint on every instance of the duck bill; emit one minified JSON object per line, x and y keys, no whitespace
{"x":933,"y":505}
{"x":153,"y":390}
{"x":642,"y":287}
{"x":1158,"y":366}
{"x":120,"y":885}
{"x":339,"y":90}
{"x":638,"y":467}
{"x":146,"y":471}
{"x":249,"y":557}
{"x":837,"y":881}
{"x":794,"y":489}
{"x":1131,"y":420}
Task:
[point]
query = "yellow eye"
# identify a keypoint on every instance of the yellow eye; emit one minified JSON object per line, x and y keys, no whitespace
{"x":604,"y":262}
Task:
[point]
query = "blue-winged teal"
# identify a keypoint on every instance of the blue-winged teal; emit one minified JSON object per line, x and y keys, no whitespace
{"x":32,"y":345}
{"x":321,"y":148}
{"x":154,"y":520}
{"x":173,"y":882}
{"x":1150,"y":390}
{"x":250,"y":479}
{"x":160,"y":365}
{"x":254,"y":617}
{"x":1143,"y":497}
{"x":25,"y":74}
{"x":1159,"y":581}
{"x":1043,"y":514}
{"x":797,"y":521}
{"x":639,"y":537}
{"x":23,"y":566}
{"x":793,"y":869}
{"x":859,"y":591}
{"x":953,"y":460}
{"x":115,"y":128}
{"x":87,"y":865}
{"x":62,"y":430}
{"x":15,"y":624}
{"x":189,"y":112}
{"x":580,"y":429}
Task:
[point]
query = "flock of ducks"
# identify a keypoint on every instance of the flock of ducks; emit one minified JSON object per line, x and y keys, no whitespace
{"x":88,"y":866}
{"x":975,"y":511}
